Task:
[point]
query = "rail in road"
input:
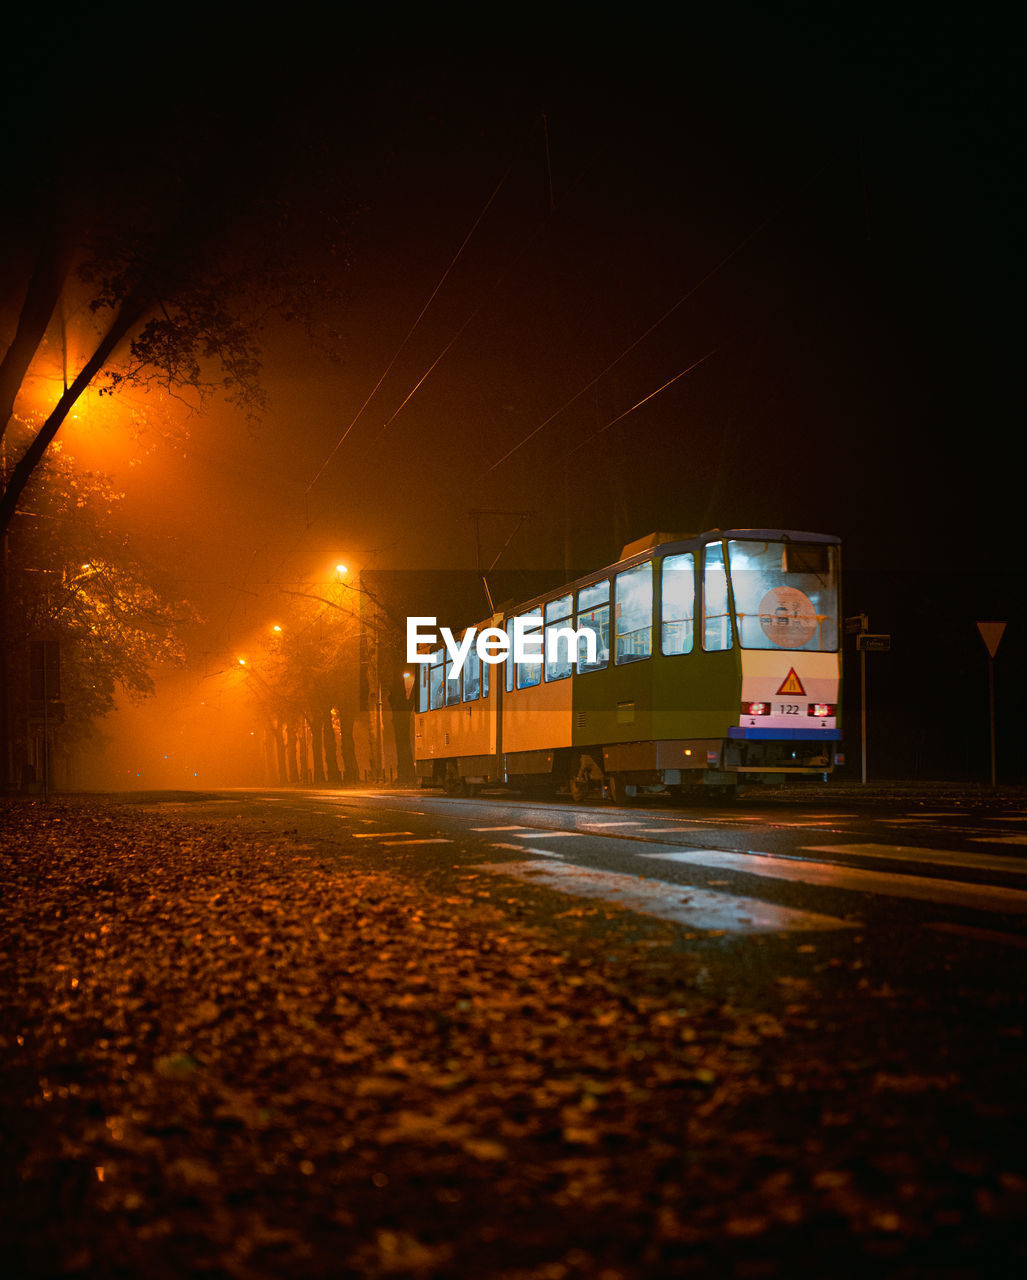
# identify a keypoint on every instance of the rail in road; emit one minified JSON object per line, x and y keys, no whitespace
{"x":729,"y":871}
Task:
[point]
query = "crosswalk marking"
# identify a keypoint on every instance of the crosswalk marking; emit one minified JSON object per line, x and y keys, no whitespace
{"x":1000,"y":840}
{"x":518,"y":827}
{"x":694,"y":908}
{"x":832,"y":875}
{"x":911,"y":853}
{"x":378,"y":835}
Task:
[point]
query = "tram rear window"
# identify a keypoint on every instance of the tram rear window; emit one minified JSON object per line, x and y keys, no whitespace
{"x":785,"y":594}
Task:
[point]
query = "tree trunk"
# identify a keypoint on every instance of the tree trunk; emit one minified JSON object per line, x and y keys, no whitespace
{"x":333,"y":777}
{"x":280,"y":754}
{"x":291,"y":752}
{"x":316,"y":723}
{"x":400,"y":704}
{"x":130,"y":311}
{"x":41,"y":297}
{"x":351,"y":770}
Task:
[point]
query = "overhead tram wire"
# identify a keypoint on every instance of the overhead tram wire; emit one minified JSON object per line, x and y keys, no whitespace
{"x":553,"y":207}
{"x":504,"y":272}
{"x":474,"y":226}
{"x":645,"y":399}
{"x":420,"y":316}
{"x":771,"y":217}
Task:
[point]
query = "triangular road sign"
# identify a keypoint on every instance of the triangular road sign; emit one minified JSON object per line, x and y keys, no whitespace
{"x":991,"y":634}
{"x":791,"y":683}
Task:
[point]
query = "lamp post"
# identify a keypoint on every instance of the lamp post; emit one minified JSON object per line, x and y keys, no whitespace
{"x":370,"y":620}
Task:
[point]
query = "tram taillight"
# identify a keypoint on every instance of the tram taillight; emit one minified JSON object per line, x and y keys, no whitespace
{"x":821,"y":709}
{"x":755,"y":708}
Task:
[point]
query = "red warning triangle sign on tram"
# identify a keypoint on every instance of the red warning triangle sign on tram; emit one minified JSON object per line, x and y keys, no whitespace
{"x":791,"y":683}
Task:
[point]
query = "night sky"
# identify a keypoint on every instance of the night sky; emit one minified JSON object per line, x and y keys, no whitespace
{"x":822,"y":206}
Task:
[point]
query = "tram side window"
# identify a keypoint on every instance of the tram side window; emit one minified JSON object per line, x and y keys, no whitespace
{"x":472,"y":676}
{"x":452,"y":686}
{"x":716,"y":615}
{"x":422,"y":686}
{"x":594,"y":613}
{"x":529,"y":674}
{"x":677,"y":604}
{"x":634,"y":613}
{"x":558,"y":617}
{"x":436,"y":698}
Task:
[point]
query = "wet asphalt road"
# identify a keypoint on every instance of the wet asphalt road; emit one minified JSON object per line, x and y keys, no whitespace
{"x":919,"y":887}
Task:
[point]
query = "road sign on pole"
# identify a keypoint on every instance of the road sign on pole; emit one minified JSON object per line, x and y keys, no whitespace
{"x":991,"y":634}
{"x":44,"y":669}
{"x":865,"y":643}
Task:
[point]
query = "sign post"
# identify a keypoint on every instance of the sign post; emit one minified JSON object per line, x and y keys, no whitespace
{"x":865,"y":642}
{"x":991,"y":634}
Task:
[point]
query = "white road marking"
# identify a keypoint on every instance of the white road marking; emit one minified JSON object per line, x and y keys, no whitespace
{"x":378,"y":835}
{"x":1000,"y":840}
{"x":910,"y":853}
{"x":694,"y":908}
{"x":615,"y":824}
{"x":540,"y":833}
{"x":519,"y":827}
{"x":426,"y":840}
{"x":833,"y":876}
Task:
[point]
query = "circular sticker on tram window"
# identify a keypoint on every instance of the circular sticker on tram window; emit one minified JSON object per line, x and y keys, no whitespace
{"x":787,"y":617}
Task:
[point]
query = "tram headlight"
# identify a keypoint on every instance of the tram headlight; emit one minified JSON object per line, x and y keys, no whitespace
{"x":821,"y":709}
